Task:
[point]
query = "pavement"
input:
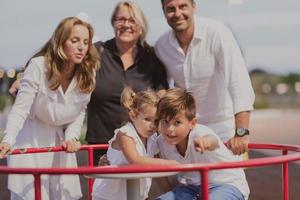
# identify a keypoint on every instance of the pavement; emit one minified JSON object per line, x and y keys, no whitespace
{"x":267,"y":126}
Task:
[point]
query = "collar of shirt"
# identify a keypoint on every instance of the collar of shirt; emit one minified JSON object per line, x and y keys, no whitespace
{"x":187,"y":151}
{"x":112,"y":46}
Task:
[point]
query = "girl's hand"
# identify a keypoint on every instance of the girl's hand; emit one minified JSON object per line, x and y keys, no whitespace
{"x":103,"y":161}
{"x":4,"y":149}
{"x":71,"y":146}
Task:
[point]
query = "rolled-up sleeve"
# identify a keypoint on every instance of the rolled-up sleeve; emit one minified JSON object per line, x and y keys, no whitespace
{"x":228,"y":55}
{"x":73,"y":130}
{"x":23,"y":103}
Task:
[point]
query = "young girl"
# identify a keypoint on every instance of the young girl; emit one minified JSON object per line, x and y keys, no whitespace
{"x":133,"y":143}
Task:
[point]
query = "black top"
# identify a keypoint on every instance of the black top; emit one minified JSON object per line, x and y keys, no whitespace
{"x":105,"y":113}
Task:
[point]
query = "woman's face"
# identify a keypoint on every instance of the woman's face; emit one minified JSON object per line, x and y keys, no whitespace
{"x":125,"y":27}
{"x":77,"y":45}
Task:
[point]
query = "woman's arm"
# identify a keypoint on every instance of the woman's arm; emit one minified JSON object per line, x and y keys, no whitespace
{"x":73,"y":132}
{"x":30,"y":84}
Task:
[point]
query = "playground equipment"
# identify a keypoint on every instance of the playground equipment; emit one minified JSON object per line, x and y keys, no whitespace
{"x":203,"y":169}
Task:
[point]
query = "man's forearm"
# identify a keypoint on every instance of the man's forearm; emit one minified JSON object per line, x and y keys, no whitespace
{"x":242,"y":119}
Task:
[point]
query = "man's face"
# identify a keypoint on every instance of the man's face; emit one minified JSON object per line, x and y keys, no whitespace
{"x":179,"y":14}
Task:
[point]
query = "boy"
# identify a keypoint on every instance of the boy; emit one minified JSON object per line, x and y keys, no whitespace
{"x":185,"y":141}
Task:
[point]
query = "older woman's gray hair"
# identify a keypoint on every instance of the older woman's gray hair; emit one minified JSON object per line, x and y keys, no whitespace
{"x":137,"y":14}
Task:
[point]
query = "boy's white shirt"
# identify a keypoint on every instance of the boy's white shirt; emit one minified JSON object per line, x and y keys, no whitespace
{"x":235,"y":177}
{"x":115,"y":189}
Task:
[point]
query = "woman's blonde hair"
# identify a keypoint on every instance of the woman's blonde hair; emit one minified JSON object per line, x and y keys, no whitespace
{"x":56,"y":57}
{"x":137,"y":14}
{"x":135,"y":102}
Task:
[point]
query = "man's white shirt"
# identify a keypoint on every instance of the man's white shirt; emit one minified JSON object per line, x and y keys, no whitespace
{"x":213,"y":70}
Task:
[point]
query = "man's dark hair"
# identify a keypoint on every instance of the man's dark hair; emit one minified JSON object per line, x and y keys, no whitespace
{"x":163,"y":2}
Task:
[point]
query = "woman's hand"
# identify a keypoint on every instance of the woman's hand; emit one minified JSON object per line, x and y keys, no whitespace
{"x":4,"y":149}
{"x":71,"y":146}
{"x":14,"y":88}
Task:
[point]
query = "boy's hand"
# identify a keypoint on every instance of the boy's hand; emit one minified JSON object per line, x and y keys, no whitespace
{"x":71,"y":146}
{"x":4,"y":149}
{"x":206,"y":143}
{"x":103,"y":161}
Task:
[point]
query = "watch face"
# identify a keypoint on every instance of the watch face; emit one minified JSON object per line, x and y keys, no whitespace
{"x":241,"y":131}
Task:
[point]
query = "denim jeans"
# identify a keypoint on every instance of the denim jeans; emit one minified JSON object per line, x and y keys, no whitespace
{"x":193,"y":192}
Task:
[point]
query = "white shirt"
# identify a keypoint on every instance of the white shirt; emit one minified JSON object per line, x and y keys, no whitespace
{"x":213,"y":70}
{"x":115,"y":189}
{"x":41,"y":117}
{"x":235,"y":177}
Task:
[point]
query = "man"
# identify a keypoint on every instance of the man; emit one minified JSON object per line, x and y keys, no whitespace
{"x":202,"y":56}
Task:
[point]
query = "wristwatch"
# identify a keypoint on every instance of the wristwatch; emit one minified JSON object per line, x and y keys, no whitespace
{"x":240,"y":132}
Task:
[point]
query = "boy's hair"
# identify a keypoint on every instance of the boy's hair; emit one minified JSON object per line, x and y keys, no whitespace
{"x":135,"y":102}
{"x":176,"y":100}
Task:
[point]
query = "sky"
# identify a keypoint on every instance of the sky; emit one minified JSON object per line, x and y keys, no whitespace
{"x":268,"y":31}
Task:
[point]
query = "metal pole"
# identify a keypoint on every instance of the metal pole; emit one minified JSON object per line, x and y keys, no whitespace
{"x":133,"y":189}
{"x":37,"y":187}
{"x":204,"y":184}
{"x":285,"y":177}
{"x":91,"y":164}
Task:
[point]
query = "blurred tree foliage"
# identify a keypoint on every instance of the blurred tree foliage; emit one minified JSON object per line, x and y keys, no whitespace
{"x":271,"y":99}
{"x":5,"y":100}
{"x":290,"y":79}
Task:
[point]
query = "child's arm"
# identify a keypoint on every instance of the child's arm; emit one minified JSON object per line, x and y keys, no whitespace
{"x":130,"y":152}
{"x":206,"y":143}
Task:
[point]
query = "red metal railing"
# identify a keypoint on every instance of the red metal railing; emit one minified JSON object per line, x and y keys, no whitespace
{"x":203,"y":169}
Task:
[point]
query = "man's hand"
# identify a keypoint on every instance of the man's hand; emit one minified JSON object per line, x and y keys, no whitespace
{"x":238,"y":145}
{"x":4,"y":149}
{"x":71,"y":146}
{"x":13,"y":90}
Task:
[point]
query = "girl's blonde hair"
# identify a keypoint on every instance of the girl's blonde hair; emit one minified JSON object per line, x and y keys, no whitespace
{"x":135,"y":102}
{"x":137,"y":14}
{"x":56,"y":57}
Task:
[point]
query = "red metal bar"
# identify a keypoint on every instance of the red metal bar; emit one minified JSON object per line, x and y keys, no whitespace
{"x":285,"y":178}
{"x":91,"y":163}
{"x":55,"y":149}
{"x":282,"y":160}
{"x":205,"y":184}
{"x":37,"y":186}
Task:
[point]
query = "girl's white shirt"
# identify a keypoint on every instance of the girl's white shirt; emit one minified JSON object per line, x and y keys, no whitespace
{"x":41,"y":117}
{"x":115,"y":189}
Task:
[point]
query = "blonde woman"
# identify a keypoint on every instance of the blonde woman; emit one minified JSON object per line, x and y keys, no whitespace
{"x":49,"y":110}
